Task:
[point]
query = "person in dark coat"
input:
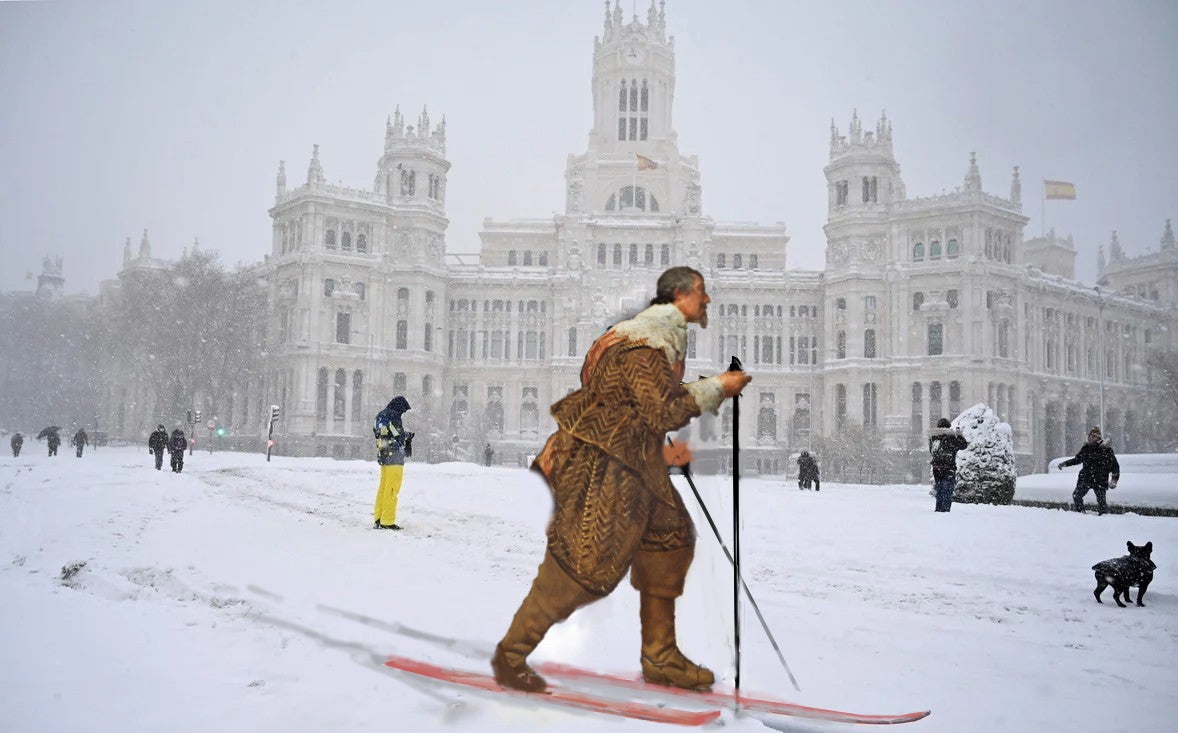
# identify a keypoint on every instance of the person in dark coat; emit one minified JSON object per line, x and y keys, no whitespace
{"x":17,"y":441}
{"x":943,"y":444}
{"x":808,"y":471}
{"x":488,"y":454}
{"x":80,"y":440}
{"x":177,"y":444}
{"x":157,"y":444}
{"x":54,"y":441}
{"x":1100,"y":471}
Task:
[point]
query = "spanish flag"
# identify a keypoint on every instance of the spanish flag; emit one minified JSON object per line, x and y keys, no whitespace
{"x":645,"y":163}
{"x":1058,"y":190}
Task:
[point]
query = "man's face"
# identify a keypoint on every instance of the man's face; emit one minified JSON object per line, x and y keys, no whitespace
{"x":693,"y":304}
{"x":1093,"y":438}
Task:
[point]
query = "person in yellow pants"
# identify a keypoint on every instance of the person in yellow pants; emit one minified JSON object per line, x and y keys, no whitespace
{"x":393,"y":445}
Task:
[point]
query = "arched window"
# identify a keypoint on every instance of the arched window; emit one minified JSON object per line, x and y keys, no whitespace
{"x":720,"y":261}
{"x":429,"y":337}
{"x":601,"y":254}
{"x":767,"y":423}
{"x":338,"y":391}
{"x":649,"y":258}
{"x":618,"y":255}
{"x":321,"y":395}
{"x":402,"y":334}
{"x":632,"y":198}
{"x":918,"y":251}
{"x":869,"y":343}
{"x":511,"y":258}
{"x":951,"y":250}
{"x":665,"y":256}
{"x":357,"y":395}
{"x":934,"y":250}
{"x":736,"y":261}
{"x":362,"y":243}
{"x":328,"y":287}
{"x":329,"y":239}
{"x":633,"y":254}
{"x":752,"y":262}
{"x":840,"y":304}
{"x":840,"y":345}
{"x":345,"y":241}
{"x":527,"y":258}
{"x":543,"y":259}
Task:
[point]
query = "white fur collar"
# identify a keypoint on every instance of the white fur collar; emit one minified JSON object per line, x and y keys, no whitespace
{"x":660,"y":327}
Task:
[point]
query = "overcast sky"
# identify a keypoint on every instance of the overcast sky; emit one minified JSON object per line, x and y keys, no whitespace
{"x":121,"y":116}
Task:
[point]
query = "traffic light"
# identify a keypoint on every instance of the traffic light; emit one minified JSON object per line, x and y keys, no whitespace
{"x":189,"y":417}
{"x":196,"y":419}
{"x":220,"y":432}
{"x":275,"y":410}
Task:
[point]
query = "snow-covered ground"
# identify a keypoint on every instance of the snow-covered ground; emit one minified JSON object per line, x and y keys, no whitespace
{"x":198,"y":607}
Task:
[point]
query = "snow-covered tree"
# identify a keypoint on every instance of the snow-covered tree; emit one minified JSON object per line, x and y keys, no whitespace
{"x":985,"y":468}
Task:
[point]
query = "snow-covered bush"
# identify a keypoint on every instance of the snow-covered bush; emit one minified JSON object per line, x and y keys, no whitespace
{"x":985,"y":468}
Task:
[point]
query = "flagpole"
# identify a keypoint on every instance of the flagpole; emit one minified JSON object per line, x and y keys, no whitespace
{"x":1043,"y":211}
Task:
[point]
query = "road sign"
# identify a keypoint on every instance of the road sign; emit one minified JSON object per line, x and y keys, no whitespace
{"x":211,"y":425}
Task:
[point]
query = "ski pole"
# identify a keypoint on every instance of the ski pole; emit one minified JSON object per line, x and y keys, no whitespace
{"x":747,"y":591}
{"x":735,"y":366}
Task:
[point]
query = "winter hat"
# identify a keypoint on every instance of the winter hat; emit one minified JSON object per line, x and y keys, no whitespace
{"x":1095,"y":431}
{"x":943,"y":423}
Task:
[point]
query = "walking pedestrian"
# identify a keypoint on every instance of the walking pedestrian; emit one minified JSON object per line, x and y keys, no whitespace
{"x":80,"y":440}
{"x":17,"y":441}
{"x":177,"y":444}
{"x":157,"y":444}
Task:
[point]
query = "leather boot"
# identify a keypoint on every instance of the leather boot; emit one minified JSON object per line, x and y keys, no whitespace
{"x":552,"y":599}
{"x":659,"y":578}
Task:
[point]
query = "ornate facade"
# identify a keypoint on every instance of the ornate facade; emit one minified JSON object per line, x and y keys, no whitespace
{"x":926,"y":306}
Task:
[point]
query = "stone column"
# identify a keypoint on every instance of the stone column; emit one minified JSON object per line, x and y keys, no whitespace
{"x":349,"y":379}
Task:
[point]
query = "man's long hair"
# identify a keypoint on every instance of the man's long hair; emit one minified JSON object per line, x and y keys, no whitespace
{"x":681,"y":278}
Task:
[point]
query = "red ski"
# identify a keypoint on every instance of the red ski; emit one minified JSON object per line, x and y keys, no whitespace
{"x":552,"y":670}
{"x":557,"y":695}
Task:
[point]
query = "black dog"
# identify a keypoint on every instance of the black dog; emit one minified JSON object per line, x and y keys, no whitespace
{"x":1123,"y":572}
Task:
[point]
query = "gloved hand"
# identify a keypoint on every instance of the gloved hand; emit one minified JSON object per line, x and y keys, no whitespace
{"x":1112,"y":483}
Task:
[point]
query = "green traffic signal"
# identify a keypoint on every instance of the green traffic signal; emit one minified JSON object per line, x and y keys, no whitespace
{"x":220,"y":431}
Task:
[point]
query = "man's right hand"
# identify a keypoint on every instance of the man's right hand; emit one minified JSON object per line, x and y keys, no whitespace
{"x":733,"y":382}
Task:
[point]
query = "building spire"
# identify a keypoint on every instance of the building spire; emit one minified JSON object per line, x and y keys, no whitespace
{"x":1101,"y":264}
{"x":281,"y":179}
{"x":315,"y":169}
{"x":1114,"y":248}
{"x":1168,"y":237}
{"x":973,"y":178}
{"x":145,"y":246}
{"x":1016,"y":188}
{"x":127,"y":252}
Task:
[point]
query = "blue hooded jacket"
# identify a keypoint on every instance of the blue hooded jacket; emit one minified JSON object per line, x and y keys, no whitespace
{"x":393,"y":443}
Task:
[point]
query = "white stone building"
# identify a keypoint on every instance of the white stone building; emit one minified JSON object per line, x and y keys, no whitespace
{"x":926,"y":306}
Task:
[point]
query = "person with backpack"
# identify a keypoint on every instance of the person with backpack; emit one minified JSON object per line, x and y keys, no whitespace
{"x":943,"y":444}
{"x":177,"y":444}
{"x":393,"y":445}
{"x":157,"y":444}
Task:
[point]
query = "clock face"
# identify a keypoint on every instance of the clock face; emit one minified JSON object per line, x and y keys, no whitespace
{"x":634,"y":56}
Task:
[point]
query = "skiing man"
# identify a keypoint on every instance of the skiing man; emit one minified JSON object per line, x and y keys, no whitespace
{"x":157,"y":444}
{"x":80,"y":440}
{"x":615,"y":508}
{"x":393,"y":445}
{"x":17,"y":441}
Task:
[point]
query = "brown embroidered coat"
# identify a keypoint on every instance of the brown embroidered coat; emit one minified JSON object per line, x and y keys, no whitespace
{"x":605,"y":464}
